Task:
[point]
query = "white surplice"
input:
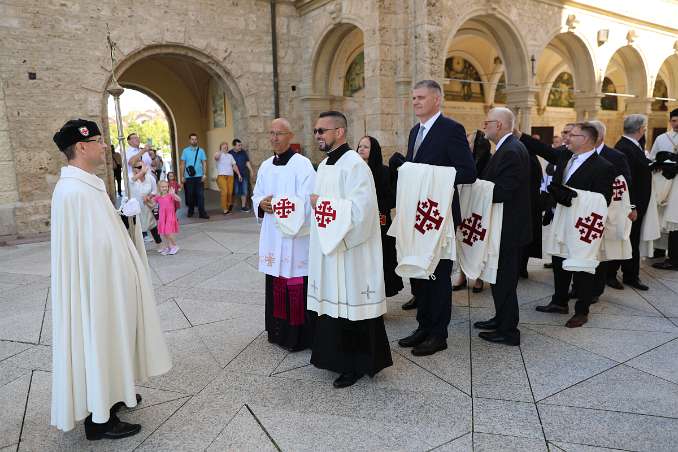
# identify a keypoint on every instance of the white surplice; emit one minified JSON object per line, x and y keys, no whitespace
{"x":348,"y":282}
{"x":281,"y":254}
{"x":106,"y":333}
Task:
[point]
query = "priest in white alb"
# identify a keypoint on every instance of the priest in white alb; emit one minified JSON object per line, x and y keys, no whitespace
{"x":282,"y":199}
{"x":106,"y":333}
{"x":346,"y":280}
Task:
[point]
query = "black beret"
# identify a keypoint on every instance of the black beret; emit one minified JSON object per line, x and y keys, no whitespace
{"x":74,"y":131}
{"x":674,"y":113}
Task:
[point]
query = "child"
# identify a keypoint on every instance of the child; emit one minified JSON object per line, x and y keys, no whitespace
{"x":168,"y":225}
{"x":172,"y":179}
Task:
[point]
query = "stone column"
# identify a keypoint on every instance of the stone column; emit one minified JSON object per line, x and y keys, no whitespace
{"x":641,"y":105}
{"x":587,"y":105}
{"x":311,"y":106}
{"x":522,"y":101}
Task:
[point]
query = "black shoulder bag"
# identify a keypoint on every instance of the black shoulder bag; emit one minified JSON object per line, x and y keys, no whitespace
{"x":190,"y":169}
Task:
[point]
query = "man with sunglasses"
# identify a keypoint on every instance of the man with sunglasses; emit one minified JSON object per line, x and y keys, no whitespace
{"x":106,"y":334}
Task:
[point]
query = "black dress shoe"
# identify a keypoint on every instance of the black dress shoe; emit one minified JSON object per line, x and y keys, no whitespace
{"x":491,"y":324}
{"x":665,"y":265}
{"x":459,"y":286}
{"x":636,"y":284}
{"x":552,"y":307}
{"x":204,"y":216}
{"x":113,"y":429}
{"x":615,"y":284}
{"x":189,"y":214}
{"x":500,"y":338}
{"x":430,"y":346}
{"x":414,"y":339}
{"x":412,"y":304}
{"x":548,"y":265}
{"x":346,"y":380}
{"x":115,"y":408}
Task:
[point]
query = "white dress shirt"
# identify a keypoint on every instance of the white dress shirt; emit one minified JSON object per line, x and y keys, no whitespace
{"x":580,"y":159}
{"x":428,"y":124}
{"x":501,"y":141}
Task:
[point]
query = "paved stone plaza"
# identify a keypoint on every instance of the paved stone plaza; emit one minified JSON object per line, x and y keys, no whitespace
{"x":610,"y":385}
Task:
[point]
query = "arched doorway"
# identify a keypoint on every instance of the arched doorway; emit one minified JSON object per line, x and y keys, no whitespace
{"x":664,"y":95}
{"x":483,"y":59}
{"x":338,"y":81}
{"x":197,"y":93}
{"x":626,"y":78}
{"x":565,"y":73}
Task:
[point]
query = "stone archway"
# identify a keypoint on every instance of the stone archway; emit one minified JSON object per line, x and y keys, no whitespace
{"x":338,"y":68}
{"x":189,"y":85}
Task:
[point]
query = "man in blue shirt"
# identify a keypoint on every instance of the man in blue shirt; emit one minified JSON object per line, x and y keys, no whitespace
{"x":193,"y":171}
{"x":241,"y":187}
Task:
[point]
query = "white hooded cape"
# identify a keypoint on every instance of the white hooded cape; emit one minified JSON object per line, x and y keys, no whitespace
{"x":106,"y":333}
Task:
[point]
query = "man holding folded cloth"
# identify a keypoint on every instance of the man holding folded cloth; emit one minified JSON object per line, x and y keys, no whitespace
{"x":582,"y":168}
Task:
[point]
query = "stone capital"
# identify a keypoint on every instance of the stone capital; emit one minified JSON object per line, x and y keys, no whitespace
{"x":587,"y":105}
{"x":642,"y":105}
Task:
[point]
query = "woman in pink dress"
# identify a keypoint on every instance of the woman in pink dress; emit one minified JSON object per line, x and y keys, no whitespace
{"x":168,"y":225}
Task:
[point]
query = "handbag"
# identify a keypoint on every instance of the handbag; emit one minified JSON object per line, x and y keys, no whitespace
{"x":190,"y":169}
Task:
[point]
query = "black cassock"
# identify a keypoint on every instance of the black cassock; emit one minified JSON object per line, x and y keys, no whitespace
{"x":386,"y":201}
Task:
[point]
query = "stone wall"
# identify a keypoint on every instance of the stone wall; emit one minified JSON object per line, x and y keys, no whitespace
{"x":63,"y":42}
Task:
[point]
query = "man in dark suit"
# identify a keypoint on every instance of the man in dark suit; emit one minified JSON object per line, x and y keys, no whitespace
{"x":621,"y":168}
{"x":640,"y":188}
{"x":509,"y":169}
{"x":579,"y":166}
{"x":436,"y":140}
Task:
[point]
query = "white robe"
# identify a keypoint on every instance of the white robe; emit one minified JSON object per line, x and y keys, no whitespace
{"x":349,"y":281}
{"x":281,"y":254}
{"x":106,"y":333}
{"x":138,"y":190}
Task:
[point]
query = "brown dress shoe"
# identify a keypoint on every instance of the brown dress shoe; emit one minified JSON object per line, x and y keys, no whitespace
{"x":577,"y":320}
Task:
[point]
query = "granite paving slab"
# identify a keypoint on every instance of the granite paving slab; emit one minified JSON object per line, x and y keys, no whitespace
{"x":11,"y":348}
{"x":461,"y":444}
{"x":559,"y":446}
{"x":553,"y":365}
{"x":613,"y":344}
{"x":662,"y":361}
{"x":227,"y":338}
{"x":10,"y":373}
{"x":622,"y":388}
{"x":207,"y":311}
{"x":38,"y":357}
{"x":259,"y":357}
{"x":21,"y":321}
{"x":13,"y":401}
{"x":503,"y":417}
{"x":609,"y":429}
{"x":483,"y":442}
{"x":239,"y":277}
{"x":242,"y":433}
{"x":171,"y":317}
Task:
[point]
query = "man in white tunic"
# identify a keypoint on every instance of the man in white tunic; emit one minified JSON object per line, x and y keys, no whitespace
{"x":282,"y":198}
{"x":106,"y":334}
{"x":346,"y":280}
{"x":667,"y":143}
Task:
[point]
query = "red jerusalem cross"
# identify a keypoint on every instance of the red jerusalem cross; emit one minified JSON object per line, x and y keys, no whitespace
{"x":428,"y":217}
{"x":590,"y":228}
{"x":618,"y":189}
{"x":324,"y":214}
{"x":472,"y":229}
{"x":283,"y":208}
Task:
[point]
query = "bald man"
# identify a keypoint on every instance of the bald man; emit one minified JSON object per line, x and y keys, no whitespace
{"x":282,"y":199}
{"x":509,"y":169}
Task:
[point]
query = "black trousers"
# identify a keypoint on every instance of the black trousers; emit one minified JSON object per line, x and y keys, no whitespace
{"x":434,"y":300}
{"x":583,"y":283}
{"x":673,"y":247}
{"x":195,"y":195}
{"x":117,"y":175}
{"x":630,"y":267}
{"x":600,"y":278}
{"x":504,"y":290}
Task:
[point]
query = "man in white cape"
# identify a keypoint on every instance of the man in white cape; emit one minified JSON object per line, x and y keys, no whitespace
{"x":282,"y":198}
{"x":346,"y":279}
{"x":106,"y":333}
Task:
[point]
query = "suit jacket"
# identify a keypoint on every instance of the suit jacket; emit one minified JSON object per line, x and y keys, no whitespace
{"x":445,"y":145}
{"x":641,"y":175}
{"x":596,"y":174}
{"x":509,"y":169}
{"x":619,"y":161}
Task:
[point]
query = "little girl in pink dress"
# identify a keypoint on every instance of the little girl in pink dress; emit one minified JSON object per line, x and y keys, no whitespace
{"x":168,"y":225}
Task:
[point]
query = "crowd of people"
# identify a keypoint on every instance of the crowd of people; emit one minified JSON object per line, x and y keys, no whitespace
{"x":333,"y":248}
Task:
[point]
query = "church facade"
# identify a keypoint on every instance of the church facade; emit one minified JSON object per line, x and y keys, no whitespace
{"x":226,"y":68}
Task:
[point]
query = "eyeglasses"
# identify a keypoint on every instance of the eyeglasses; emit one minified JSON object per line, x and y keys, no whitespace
{"x":487,"y":122}
{"x":138,"y":167}
{"x":277,"y":134}
{"x":576,"y":135}
{"x":322,"y":131}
